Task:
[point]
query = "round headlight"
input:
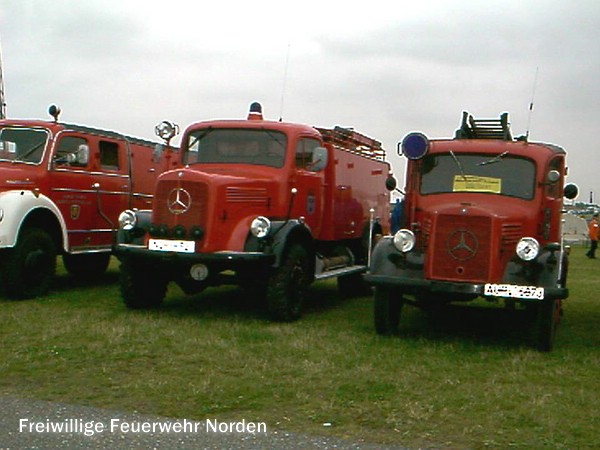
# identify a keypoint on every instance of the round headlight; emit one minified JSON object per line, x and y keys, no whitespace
{"x":528,"y":248}
{"x":260,"y":227}
{"x":127,"y":219}
{"x":404,"y":240}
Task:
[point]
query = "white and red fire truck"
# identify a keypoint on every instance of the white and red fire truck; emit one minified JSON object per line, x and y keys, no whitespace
{"x":62,"y":188}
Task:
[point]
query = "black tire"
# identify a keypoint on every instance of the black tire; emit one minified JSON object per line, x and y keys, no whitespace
{"x":28,"y":268}
{"x":286,"y":289}
{"x":87,"y":266}
{"x":142,"y":286}
{"x":549,"y":314}
{"x":387,"y":311}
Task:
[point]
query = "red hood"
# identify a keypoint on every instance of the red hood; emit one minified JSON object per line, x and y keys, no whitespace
{"x":483,"y":205}
{"x":217,"y":176}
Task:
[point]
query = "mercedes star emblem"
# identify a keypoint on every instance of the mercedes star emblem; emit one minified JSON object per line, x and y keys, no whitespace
{"x":179,"y":201}
{"x":462,"y":245}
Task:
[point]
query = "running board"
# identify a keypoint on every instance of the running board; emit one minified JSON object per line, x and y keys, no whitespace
{"x":341,"y":271}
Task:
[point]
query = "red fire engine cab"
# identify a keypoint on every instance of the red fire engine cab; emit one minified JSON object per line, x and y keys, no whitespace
{"x":481,"y":218}
{"x":62,"y":188}
{"x":267,"y":205}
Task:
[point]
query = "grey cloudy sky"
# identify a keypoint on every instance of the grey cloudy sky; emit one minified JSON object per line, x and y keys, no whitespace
{"x":383,"y":67}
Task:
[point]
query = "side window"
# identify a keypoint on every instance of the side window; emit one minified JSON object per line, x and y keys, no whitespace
{"x":109,"y":155}
{"x":304,"y":152}
{"x":72,"y":151}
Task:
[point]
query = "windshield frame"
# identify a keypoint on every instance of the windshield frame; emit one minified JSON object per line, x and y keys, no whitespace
{"x":474,"y":173}
{"x":235,"y":145}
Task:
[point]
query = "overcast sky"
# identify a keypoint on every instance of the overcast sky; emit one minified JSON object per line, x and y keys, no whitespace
{"x":384,"y":68}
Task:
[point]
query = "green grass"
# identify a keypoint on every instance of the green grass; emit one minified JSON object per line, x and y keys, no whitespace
{"x":469,"y":378}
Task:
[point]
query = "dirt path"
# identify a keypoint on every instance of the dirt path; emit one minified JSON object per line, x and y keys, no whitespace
{"x":33,"y":424}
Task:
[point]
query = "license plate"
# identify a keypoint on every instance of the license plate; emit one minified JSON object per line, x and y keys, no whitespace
{"x":514,"y":291}
{"x":168,"y":245}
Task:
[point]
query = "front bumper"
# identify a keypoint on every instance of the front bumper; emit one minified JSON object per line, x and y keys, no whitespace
{"x":414,"y":286}
{"x":229,"y":259}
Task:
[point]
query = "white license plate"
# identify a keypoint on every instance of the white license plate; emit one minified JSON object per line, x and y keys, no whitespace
{"x":514,"y":291}
{"x":168,"y":245}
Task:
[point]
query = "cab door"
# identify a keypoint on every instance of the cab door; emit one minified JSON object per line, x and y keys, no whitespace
{"x":308,"y":201}
{"x":90,"y":186}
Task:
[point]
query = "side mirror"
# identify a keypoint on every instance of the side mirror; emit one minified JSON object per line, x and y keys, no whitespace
{"x":319,"y":159}
{"x":391,"y":183}
{"x":83,"y":155}
{"x":571,"y":191}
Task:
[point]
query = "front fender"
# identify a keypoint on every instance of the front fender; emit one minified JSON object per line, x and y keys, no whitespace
{"x":16,"y":206}
{"x":544,"y":271}
{"x":138,"y":234}
{"x":282,"y":233}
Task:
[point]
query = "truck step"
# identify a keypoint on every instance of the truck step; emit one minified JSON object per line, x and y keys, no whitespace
{"x":341,"y":271}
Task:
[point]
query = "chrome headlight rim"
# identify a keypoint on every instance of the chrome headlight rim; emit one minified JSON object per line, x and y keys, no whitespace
{"x":127,"y":220}
{"x":404,"y":240}
{"x":528,"y":248}
{"x":260,"y":227}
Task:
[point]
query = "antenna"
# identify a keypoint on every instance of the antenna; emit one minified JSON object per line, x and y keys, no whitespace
{"x":285,"y":71}
{"x":531,"y":103}
{"x":2,"y":100}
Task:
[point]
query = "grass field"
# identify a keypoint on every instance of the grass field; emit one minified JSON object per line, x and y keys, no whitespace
{"x":469,"y":378}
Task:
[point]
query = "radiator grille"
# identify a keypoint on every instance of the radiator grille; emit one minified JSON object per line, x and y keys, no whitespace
{"x":196,"y":215}
{"x":462,"y":249}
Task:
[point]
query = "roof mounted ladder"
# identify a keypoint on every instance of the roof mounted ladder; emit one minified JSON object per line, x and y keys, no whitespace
{"x":352,"y":141}
{"x":484,"y":128}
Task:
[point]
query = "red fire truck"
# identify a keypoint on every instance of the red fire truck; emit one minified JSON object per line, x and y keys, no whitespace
{"x":267,"y":205}
{"x":481,"y":218}
{"x":62,"y":188}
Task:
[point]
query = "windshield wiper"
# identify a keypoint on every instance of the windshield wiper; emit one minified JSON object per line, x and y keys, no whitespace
{"x":24,"y":155}
{"x":460,"y":167}
{"x":493,"y":160}
{"x":273,"y":136}
{"x":199,"y":137}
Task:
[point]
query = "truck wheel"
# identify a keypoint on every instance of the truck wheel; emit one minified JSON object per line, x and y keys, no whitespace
{"x":548,"y":319}
{"x":141,"y":286}
{"x":29,"y":267}
{"x":287,"y":287}
{"x":91,"y":265}
{"x":387,"y":311}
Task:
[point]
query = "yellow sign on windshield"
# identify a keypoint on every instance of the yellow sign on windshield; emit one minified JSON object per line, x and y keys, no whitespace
{"x":474,"y":183}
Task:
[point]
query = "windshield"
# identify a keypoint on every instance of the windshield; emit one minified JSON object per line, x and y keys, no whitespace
{"x":492,"y":174}
{"x":22,"y":144}
{"x":236,"y":146}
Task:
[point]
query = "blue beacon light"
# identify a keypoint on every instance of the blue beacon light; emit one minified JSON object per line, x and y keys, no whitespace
{"x":414,"y":146}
